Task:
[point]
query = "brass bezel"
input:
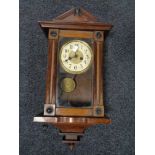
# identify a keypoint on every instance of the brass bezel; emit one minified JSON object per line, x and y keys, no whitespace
{"x":76,"y":72}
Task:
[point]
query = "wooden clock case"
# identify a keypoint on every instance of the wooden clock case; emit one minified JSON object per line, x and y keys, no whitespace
{"x":72,"y":121}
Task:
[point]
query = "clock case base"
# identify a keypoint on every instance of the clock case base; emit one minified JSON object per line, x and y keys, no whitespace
{"x":71,"y":128}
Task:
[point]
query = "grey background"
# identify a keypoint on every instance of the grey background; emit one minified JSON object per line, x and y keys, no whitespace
{"x":114,"y":139}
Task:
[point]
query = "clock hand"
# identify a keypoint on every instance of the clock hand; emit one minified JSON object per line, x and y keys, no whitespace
{"x":75,"y":49}
{"x":69,"y":58}
{"x":75,"y":56}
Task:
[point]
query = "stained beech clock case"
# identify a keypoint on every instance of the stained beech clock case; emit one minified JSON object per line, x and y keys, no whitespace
{"x":74,"y":97}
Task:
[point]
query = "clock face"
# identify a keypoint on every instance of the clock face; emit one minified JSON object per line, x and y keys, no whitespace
{"x":76,"y":57}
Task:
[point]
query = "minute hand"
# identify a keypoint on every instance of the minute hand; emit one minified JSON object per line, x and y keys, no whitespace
{"x":75,"y":49}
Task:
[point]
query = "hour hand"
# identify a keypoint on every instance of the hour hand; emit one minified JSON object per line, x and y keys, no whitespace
{"x":68,"y":59}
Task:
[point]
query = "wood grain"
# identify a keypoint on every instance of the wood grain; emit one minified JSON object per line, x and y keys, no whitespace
{"x":98,"y":72}
{"x":74,"y":111}
{"x":75,"y":26}
{"x":76,"y":34}
{"x":51,"y":72}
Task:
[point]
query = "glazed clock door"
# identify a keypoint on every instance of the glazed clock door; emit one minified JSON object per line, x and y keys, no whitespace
{"x":75,"y":73}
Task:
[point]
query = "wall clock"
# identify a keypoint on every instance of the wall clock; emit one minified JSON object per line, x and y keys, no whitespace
{"x":74,"y":97}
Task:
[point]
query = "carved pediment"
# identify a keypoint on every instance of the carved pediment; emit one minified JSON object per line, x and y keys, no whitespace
{"x":75,"y":19}
{"x":76,"y":15}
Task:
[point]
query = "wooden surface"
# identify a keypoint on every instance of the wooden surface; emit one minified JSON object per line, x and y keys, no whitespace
{"x":81,"y":20}
{"x":51,"y":72}
{"x":74,"y":111}
{"x":76,"y":34}
{"x":70,"y":20}
{"x":72,"y":124}
{"x":75,"y":23}
{"x":98,"y":72}
{"x":72,"y":16}
{"x":75,"y":26}
{"x":72,"y":128}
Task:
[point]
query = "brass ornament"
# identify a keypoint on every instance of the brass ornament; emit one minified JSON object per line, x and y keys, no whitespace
{"x":68,"y":85}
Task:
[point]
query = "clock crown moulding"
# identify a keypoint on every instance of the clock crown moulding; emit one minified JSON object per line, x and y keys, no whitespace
{"x":86,"y":106}
{"x":76,"y":19}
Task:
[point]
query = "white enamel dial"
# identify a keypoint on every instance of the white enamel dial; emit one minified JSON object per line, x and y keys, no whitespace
{"x":76,"y":56}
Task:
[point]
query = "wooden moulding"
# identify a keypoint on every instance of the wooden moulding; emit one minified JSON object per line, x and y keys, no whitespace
{"x":72,"y":124}
{"x":71,"y":20}
{"x":76,"y":14}
{"x":75,"y":26}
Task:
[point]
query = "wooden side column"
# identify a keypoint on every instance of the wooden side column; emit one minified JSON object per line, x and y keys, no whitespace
{"x":50,"y":97}
{"x":98,"y":74}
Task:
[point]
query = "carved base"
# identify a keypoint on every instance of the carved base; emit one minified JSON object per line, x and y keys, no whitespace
{"x":72,"y":128}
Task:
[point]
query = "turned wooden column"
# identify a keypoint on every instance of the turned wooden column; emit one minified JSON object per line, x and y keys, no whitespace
{"x":50,"y":97}
{"x":98,"y":72}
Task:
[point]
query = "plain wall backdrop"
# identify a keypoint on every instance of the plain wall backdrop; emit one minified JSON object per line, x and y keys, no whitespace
{"x":114,"y":139}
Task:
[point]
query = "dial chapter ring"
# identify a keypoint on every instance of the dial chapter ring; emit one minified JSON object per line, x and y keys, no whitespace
{"x":69,"y":70}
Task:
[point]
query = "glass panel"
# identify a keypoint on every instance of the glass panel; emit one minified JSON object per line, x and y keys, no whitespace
{"x":74,"y":90}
